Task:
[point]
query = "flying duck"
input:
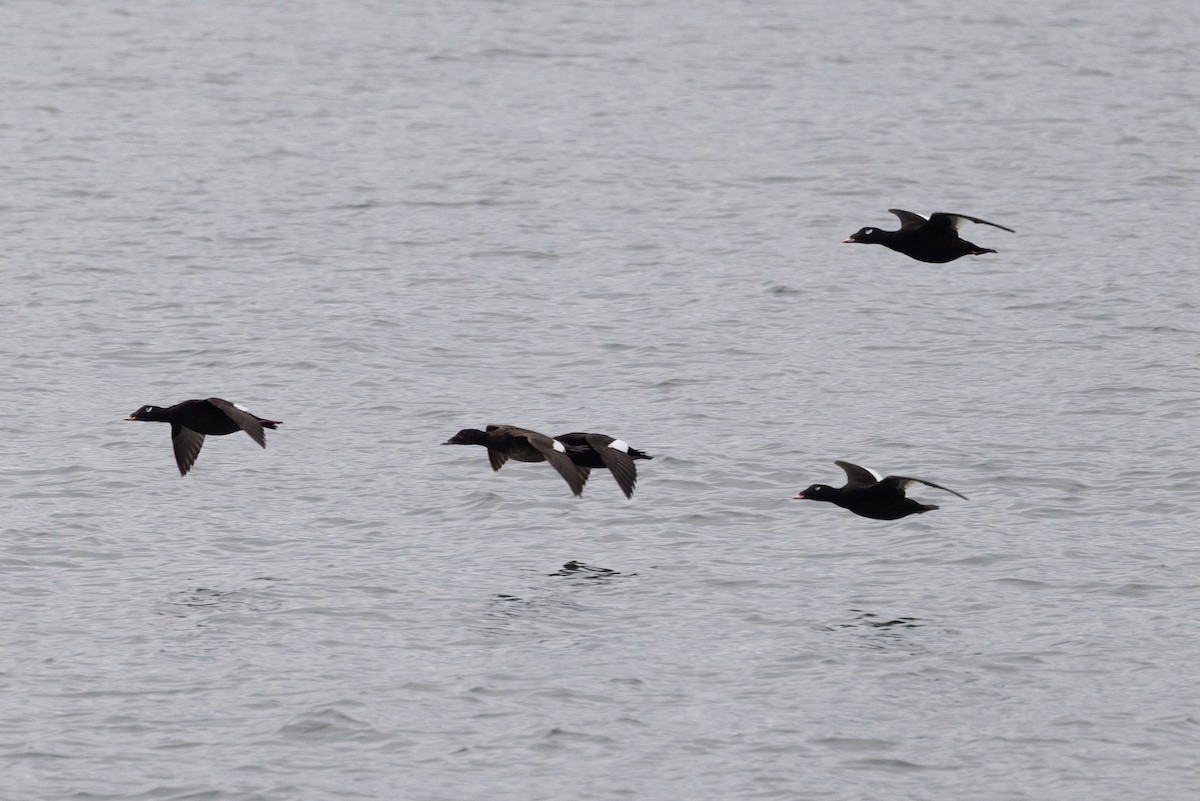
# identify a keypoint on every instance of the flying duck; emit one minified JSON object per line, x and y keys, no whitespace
{"x":935,"y":240}
{"x":868,"y":494}
{"x":522,"y":445}
{"x":589,"y":451}
{"x":191,"y":420}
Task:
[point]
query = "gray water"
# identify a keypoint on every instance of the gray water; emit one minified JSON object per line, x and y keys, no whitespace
{"x":383,"y":222}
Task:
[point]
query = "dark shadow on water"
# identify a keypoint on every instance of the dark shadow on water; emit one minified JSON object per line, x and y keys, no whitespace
{"x":875,"y":621}
{"x":199,"y":600}
{"x":870,"y":620}
{"x":544,"y":608}
{"x":580,"y":570}
{"x":879,"y":632}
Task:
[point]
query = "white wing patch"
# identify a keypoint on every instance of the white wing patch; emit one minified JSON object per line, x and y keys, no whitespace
{"x":619,"y":445}
{"x":872,"y":472}
{"x":558,"y":446}
{"x":240,"y":406}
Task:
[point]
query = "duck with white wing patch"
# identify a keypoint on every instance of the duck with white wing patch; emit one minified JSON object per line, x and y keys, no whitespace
{"x":868,"y":495}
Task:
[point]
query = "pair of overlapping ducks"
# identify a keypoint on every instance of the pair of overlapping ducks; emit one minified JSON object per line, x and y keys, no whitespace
{"x":576,"y":454}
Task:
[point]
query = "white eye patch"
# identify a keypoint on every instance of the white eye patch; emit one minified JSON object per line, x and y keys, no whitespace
{"x":619,"y":445}
{"x":870,"y":231}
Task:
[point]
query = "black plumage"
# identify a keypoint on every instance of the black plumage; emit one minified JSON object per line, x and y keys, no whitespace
{"x":589,"y":451}
{"x":935,"y":240}
{"x":191,"y":420}
{"x":868,"y":495}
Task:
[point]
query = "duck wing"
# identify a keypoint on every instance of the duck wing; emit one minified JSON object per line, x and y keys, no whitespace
{"x":901,"y":483}
{"x":908,"y":220}
{"x":187,"y":445}
{"x":859,"y":476}
{"x":556,"y":454}
{"x":497,"y":458}
{"x":615,"y":455}
{"x":242,"y":419}
{"x":955,"y":221}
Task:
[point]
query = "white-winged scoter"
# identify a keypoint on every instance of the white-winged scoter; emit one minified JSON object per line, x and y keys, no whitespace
{"x":935,"y":240}
{"x":522,"y":445}
{"x":589,"y":451}
{"x":868,"y":495}
{"x":191,"y":420}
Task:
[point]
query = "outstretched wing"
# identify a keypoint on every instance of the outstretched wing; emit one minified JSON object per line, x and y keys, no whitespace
{"x":556,"y":454}
{"x":859,"y":476}
{"x":242,"y":418}
{"x":908,"y":220}
{"x":955,"y":221}
{"x":615,"y":455}
{"x":901,"y":483}
{"x":187,"y":446}
{"x":497,"y":458}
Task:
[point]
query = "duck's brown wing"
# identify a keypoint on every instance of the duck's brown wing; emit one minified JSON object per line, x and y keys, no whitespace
{"x":955,"y":221}
{"x":615,"y":455}
{"x":496,"y":458}
{"x":242,"y":418}
{"x":901,"y":483}
{"x":556,"y":454}
{"x":187,"y":445}
{"x":858,"y":476}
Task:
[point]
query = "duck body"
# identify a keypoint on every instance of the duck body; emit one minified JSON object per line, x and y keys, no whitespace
{"x":934,"y":240}
{"x":504,"y":442}
{"x":192,"y":420}
{"x":868,"y":495}
{"x":591,"y":451}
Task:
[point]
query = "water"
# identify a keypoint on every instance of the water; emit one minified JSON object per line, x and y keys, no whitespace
{"x":385,"y":222}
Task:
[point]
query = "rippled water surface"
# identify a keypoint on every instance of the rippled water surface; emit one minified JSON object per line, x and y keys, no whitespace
{"x":384,"y":222}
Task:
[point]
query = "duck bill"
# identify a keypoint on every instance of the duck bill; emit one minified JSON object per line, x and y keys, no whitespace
{"x":849,"y":241}
{"x":799,"y":497}
{"x":130,"y":417}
